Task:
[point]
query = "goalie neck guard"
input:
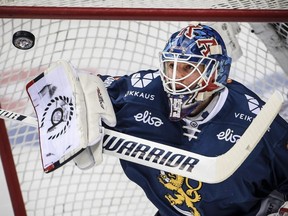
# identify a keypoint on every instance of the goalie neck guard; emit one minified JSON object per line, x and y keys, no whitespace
{"x":202,"y":52}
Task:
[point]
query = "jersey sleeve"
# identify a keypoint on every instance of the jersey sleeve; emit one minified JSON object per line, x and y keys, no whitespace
{"x":116,"y":87}
{"x":279,"y":141}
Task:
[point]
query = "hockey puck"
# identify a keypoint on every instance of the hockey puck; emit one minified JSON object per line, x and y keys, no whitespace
{"x":23,"y":40}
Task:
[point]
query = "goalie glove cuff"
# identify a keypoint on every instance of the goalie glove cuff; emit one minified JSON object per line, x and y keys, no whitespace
{"x":98,"y":108}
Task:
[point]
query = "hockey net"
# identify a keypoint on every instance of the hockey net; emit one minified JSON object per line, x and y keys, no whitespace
{"x":117,"y":47}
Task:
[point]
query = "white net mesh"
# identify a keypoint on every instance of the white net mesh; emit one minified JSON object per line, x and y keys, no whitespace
{"x":106,"y":47}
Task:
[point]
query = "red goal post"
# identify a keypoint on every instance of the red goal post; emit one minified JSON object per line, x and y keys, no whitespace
{"x":118,"y":39}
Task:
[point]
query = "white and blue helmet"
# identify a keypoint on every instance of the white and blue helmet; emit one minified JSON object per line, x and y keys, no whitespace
{"x":197,"y":45}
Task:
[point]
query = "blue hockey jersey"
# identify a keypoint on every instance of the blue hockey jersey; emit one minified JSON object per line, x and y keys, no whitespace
{"x":142,"y":110}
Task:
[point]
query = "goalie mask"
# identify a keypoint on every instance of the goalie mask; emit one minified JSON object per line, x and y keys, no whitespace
{"x":193,"y":66}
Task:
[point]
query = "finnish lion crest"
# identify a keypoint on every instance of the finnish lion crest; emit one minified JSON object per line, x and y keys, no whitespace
{"x":183,"y":192}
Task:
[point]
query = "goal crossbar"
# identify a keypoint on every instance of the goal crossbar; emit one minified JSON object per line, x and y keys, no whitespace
{"x":159,"y":14}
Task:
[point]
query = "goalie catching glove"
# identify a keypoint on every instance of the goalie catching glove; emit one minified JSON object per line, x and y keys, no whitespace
{"x":69,"y":110}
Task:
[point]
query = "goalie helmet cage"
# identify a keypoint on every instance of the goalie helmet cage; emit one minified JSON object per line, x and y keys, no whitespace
{"x":114,"y":37}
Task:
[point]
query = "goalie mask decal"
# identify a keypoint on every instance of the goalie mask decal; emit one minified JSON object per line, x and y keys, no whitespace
{"x":59,"y":112}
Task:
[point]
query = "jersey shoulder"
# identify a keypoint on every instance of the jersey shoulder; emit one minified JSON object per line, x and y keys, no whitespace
{"x":246,"y":105}
{"x":240,"y":105}
{"x":144,"y":86}
{"x":240,"y":94}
